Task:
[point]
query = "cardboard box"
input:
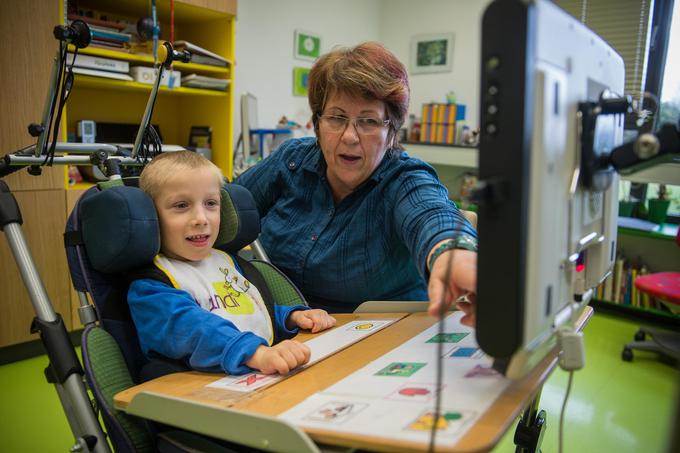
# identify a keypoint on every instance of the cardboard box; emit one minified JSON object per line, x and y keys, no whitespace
{"x":145,"y":74}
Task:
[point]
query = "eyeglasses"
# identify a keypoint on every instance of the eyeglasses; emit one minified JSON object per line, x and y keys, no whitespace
{"x":363,"y":126}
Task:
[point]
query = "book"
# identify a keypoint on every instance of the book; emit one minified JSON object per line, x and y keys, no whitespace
{"x":98,"y":22}
{"x":608,"y":286}
{"x":196,"y":50}
{"x":107,"y":44}
{"x":202,"y":59}
{"x":106,"y":35}
{"x":104,"y":64}
{"x":199,"y":81}
{"x":146,"y":74}
{"x":99,"y":73}
{"x":618,"y":274}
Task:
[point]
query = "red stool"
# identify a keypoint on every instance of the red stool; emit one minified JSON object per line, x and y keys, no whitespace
{"x":665,"y":286}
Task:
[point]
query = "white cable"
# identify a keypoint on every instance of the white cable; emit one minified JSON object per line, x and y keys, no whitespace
{"x":564,"y":406}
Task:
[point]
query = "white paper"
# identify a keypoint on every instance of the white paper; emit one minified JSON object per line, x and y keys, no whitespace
{"x":321,"y":347}
{"x":394,"y":395}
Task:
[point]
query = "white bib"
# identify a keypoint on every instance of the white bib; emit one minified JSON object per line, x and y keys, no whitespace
{"x":219,"y":288}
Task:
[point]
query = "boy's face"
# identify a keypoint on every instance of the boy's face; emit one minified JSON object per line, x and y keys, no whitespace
{"x":189,"y":214}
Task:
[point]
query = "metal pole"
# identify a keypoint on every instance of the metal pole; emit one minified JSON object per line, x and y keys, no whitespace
{"x":52,"y":91}
{"x":70,"y":388}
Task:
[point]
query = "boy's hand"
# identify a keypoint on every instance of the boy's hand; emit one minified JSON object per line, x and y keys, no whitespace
{"x":315,"y":320}
{"x":280,"y":358}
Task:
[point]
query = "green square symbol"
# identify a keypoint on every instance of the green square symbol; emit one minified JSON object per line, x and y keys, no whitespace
{"x":448,"y":337}
{"x":401,"y":369}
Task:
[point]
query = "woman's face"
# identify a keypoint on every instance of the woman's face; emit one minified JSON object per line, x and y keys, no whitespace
{"x":351,"y":155}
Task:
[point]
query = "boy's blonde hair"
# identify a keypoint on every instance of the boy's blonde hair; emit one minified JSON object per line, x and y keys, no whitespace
{"x":162,"y":168}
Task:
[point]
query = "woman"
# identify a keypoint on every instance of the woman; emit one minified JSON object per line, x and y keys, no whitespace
{"x":348,"y":216}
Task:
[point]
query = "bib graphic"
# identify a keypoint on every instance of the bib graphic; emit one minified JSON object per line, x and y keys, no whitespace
{"x":230,"y":294}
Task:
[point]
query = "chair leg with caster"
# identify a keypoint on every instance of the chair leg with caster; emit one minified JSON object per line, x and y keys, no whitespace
{"x":627,"y":354}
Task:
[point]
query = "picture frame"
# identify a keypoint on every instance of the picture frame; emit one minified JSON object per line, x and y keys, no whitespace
{"x":307,"y":45}
{"x":432,"y":53}
{"x":300,"y":81}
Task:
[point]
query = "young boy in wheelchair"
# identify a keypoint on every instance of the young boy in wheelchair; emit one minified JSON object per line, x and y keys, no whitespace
{"x":209,"y":315}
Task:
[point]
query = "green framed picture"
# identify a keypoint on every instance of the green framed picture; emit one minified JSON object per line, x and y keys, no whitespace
{"x":300,"y":81}
{"x":432,"y":53}
{"x":307,"y":45}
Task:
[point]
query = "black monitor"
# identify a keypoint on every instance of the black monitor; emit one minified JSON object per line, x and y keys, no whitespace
{"x":547,"y":225}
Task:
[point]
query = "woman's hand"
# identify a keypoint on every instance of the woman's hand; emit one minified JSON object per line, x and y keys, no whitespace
{"x":444,"y":289}
{"x":315,"y":320}
{"x":280,"y":358}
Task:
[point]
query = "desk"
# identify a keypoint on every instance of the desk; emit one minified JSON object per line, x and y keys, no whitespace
{"x":261,"y":133}
{"x":158,"y":398}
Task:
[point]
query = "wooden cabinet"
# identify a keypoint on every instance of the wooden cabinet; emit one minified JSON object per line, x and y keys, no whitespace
{"x":45,"y":201}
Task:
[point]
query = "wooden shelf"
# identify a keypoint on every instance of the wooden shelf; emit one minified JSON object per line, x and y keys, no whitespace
{"x":148,"y":60}
{"x":104,"y":83}
{"x":456,"y":156}
{"x":666,"y":232}
{"x":80,"y":186}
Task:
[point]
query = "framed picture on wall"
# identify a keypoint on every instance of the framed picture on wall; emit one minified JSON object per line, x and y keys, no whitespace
{"x":300,"y":81}
{"x":307,"y":45}
{"x":431,"y":53}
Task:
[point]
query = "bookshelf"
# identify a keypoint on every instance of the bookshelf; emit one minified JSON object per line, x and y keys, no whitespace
{"x":208,"y":24}
{"x":45,"y":201}
{"x":658,"y":251}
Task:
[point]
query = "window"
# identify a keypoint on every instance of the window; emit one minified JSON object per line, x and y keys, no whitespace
{"x":647,"y":35}
{"x":669,"y":111}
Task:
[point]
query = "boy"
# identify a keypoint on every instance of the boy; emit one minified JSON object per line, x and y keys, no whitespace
{"x":209,"y":315}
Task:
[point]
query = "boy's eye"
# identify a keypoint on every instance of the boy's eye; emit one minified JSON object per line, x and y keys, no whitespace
{"x":212,"y":203}
{"x":181,"y":205}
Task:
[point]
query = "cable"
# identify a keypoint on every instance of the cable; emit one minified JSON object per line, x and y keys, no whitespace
{"x":440,"y":369}
{"x":64,"y":94}
{"x":53,"y":102}
{"x":564,"y":406}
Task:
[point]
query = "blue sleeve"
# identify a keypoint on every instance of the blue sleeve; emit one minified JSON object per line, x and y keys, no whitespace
{"x":170,"y":323}
{"x":424,"y":215}
{"x":281,"y":312}
{"x":262,"y":179}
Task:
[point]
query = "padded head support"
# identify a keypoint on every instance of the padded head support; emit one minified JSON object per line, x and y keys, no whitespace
{"x":240,"y":220}
{"x":120,"y":227}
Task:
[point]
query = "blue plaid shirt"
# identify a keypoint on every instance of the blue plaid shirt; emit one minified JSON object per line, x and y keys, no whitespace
{"x":370,"y":246}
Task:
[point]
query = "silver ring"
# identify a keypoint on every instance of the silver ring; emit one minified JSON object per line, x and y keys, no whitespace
{"x":464,"y":299}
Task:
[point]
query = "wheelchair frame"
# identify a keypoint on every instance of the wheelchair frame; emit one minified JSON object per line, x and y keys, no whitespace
{"x":64,"y":370}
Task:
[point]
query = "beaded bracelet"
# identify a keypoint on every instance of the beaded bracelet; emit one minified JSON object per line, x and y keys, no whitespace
{"x":461,"y":242}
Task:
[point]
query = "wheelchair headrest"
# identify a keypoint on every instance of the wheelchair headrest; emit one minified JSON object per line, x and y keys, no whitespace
{"x":120,"y":230}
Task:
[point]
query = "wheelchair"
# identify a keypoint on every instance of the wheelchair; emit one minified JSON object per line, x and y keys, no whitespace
{"x":111,"y":232}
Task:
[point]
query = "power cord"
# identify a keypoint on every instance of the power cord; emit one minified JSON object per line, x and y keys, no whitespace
{"x":564,"y":406}
{"x":440,"y":369}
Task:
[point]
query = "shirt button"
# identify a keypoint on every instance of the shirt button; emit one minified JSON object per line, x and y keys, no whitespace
{"x":291,"y":165}
{"x":301,"y":263}
{"x":330,"y":213}
{"x":314,"y":237}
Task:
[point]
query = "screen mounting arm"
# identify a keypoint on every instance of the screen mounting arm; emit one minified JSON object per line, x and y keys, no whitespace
{"x":647,"y":150}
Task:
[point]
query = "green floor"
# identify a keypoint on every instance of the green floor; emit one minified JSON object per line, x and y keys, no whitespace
{"x":615,"y":406}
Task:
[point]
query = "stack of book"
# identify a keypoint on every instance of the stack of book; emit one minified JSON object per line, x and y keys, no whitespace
{"x":105,"y":34}
{"x":200,"y":55}
{"x":209,"y":83}
{"x":619,"y":286}
{"x":100,"y":67}
{"x":439,"y":122}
